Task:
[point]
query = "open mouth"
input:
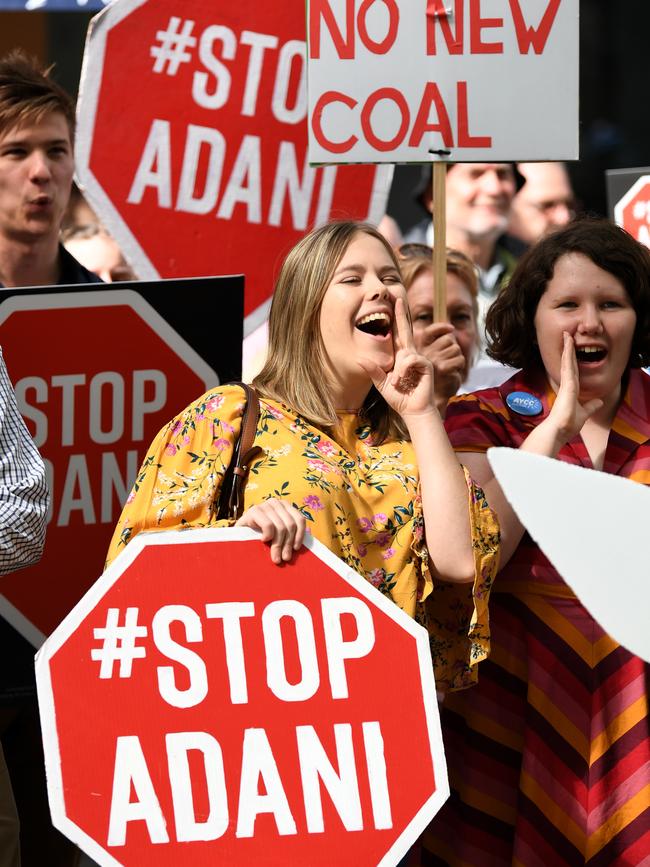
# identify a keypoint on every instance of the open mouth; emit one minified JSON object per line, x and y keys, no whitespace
{"x":376,"y":324}
{"x":590,"y":354}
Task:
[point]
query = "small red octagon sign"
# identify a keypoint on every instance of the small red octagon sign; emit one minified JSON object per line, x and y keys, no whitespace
{"x":633,"y":211}
{"x":201,"y":706}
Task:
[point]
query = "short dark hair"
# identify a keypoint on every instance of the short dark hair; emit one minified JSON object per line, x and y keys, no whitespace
{"x":510,"y":322}
{"x":28,"y":93}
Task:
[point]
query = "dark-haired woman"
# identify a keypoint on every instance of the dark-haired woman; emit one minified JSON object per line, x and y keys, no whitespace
{"x":549,"y":756}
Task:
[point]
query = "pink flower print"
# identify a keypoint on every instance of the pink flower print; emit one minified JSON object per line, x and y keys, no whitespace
{"x":177,"y":426}
{"x":274,"y":412}
{"x":171,"y":449}
{"x":382,"y":538}
{"x":221,"y":444}
{"x":227,"y":427}
{"x":325,"y":447}
{"x":313,"y":502}
{"x":380,"y":518}
{"x":376,"y":577}
{"x":186,"y":440}
{"x":315,"y":464}
{"x":364,"y":524}
{"x":214,"y":403}
{"x":388,"y":553}
{"x":362,"y":550}
{"x":417,"y":532}
{"x":130,"y":498}
{"x":200,"y":416}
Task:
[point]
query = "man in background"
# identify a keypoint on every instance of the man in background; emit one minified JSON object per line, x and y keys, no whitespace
{"x":478,"y":207}
{"x":36,"y":168}
{"x":545,"y":202}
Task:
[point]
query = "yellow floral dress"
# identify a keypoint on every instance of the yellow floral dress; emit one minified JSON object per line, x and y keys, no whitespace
{"x":359,"y":499}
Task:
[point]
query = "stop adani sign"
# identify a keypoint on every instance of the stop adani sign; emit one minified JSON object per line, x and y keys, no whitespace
{"x":192,"y":140}
{"x":202,"y":706}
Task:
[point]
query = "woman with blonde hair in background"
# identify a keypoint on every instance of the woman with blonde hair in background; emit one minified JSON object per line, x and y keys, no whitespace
{"x":452,"y":345}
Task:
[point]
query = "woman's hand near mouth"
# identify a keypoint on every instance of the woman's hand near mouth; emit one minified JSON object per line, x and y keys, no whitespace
{"x":408,"y":386}
{"x":568,"y":414}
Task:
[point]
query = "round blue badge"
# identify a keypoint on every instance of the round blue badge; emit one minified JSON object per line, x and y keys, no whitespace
{"x":524,"y":403}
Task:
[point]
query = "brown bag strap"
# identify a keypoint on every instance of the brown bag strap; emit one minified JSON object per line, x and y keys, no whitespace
{"x":231,"y":497}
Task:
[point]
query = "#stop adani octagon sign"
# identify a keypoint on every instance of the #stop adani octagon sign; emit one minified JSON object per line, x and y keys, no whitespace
{"x":192,"y":140}
{"x":202,"y":706}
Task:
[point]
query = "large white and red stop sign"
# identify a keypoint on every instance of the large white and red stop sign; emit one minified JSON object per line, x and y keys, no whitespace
{"x":632,"y":211}
{"x":97,"y":373}
{"x":202,"y":706}
{"x":192,"y":140}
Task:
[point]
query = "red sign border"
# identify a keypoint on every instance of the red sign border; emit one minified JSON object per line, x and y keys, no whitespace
{"x":89,"y":90}
{"x":232,"y":534}
{"x":109,"y":298}
{"x":625,"y":200}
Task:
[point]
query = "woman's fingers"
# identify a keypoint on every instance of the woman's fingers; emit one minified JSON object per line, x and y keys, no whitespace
{"x":592,"y":406}
{"x":407,"y":372}
{"x":375,"y":372}
{"x":290,"y":523}
{"x":569,"y":365}
{"x":402,"y":333}
{"x":280,"y":525}
{"x":437,"y":330}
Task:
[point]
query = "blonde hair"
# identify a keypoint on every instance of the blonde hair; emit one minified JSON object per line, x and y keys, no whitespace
{"x":416,"y":258}
{"x":295,"y":372}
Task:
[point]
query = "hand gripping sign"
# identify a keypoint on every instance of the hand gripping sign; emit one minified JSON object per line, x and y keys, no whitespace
{"x":202,"y":706}
{"x":192,"y":140}
{"x":459,"y":80}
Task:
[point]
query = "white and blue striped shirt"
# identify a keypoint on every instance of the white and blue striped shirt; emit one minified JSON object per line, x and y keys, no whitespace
{"x":24,"y":496}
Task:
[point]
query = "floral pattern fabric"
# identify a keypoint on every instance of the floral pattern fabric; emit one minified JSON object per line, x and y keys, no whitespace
{"x":360,"y":500}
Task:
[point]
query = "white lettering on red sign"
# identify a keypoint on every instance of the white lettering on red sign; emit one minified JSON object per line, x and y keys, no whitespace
{"x":108,"y":398}
{"x":293,"y":179}
{"x":258,"y":770}
{"x":260,"y":786}
{"x":338,"y":649}
{"x":291,"y":183}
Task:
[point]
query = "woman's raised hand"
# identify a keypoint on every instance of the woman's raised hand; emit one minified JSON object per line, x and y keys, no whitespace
{"x":280,"y":524}
{"x":408,"y":387}
{"x":568,"y":414}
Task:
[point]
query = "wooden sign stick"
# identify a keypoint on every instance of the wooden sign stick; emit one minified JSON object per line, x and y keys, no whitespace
{"x":439,"y":243}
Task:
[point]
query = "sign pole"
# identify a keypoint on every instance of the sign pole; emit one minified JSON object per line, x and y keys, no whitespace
{"x":439,"y":243}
